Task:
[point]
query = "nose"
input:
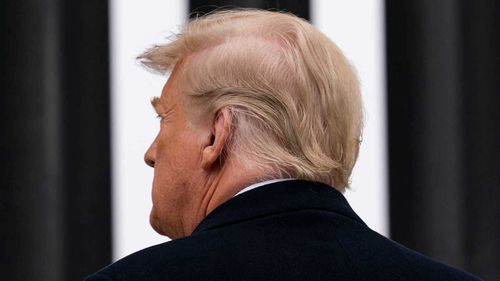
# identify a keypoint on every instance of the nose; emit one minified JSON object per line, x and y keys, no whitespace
{"x":150,"y":155}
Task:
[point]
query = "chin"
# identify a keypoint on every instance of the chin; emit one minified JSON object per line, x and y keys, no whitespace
{"x":155,"y":222}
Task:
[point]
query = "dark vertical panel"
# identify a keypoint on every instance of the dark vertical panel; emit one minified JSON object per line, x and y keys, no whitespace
{"x":442,"y":88}
{"x":424,"y":127}
{"x":55,"y":159}
{"x":85,"y":70}
{"x":481,"y":76}
{"x":30,"y":185}
{"x":299,"y":8}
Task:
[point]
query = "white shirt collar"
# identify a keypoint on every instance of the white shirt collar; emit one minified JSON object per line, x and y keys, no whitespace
{"x":259,"y":184}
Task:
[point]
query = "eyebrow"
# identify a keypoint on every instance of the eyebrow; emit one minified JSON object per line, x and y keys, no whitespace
{"x":155,"y":102}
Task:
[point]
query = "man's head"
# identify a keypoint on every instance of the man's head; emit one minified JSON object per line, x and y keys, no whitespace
{"x":253,"y":95}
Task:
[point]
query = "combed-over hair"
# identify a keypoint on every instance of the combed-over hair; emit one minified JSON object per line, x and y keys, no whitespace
{"x":293,"y":95}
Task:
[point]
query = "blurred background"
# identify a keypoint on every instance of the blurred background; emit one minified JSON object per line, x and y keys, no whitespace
{"x":76,"y":120}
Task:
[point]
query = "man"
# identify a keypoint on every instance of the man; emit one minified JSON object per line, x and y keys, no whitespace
{"x":260,"y":126}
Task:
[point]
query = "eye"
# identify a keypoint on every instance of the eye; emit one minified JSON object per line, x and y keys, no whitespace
{"x":163,"y":115}
{"x":160,"y":117}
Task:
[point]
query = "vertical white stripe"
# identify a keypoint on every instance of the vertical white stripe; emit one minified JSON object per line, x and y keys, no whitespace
{"x":357,"y":27}
{"x":135,"y":25}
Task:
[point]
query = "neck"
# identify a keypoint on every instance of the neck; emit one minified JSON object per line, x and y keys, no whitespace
{"x":218,"y":186}
{"x":232,"y":178}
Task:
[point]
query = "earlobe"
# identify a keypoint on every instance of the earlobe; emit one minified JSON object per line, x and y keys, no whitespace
{"x":221,"y":129}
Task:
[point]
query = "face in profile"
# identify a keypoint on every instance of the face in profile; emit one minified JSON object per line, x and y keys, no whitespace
{"x":174,"y":155}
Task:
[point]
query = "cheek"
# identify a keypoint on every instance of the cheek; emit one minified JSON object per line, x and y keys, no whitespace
{"x":170,"y":169}
{"x":176,"y":165}
{"x":177,"y":151}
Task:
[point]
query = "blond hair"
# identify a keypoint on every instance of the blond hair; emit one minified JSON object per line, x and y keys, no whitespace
{"x":293,"y":95}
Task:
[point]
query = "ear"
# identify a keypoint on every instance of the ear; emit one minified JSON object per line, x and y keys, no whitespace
{"x":220,"y":131}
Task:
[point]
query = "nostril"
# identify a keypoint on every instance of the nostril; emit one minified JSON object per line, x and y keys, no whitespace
{"x":149,"y":156}
{"x":149,"y":161}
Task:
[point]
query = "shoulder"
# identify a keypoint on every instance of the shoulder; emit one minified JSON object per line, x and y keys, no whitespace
{"x":173,"y":260}
{"x":383,"y":259}
{"x":310,"y":233}
{"x":279,"y":248}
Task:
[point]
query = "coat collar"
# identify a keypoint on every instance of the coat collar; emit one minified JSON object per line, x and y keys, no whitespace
{"x":278,"y":198}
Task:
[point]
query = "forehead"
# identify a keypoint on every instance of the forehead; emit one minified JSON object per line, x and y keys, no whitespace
{"x":170,"y":89}
{"x":167,"y":91}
